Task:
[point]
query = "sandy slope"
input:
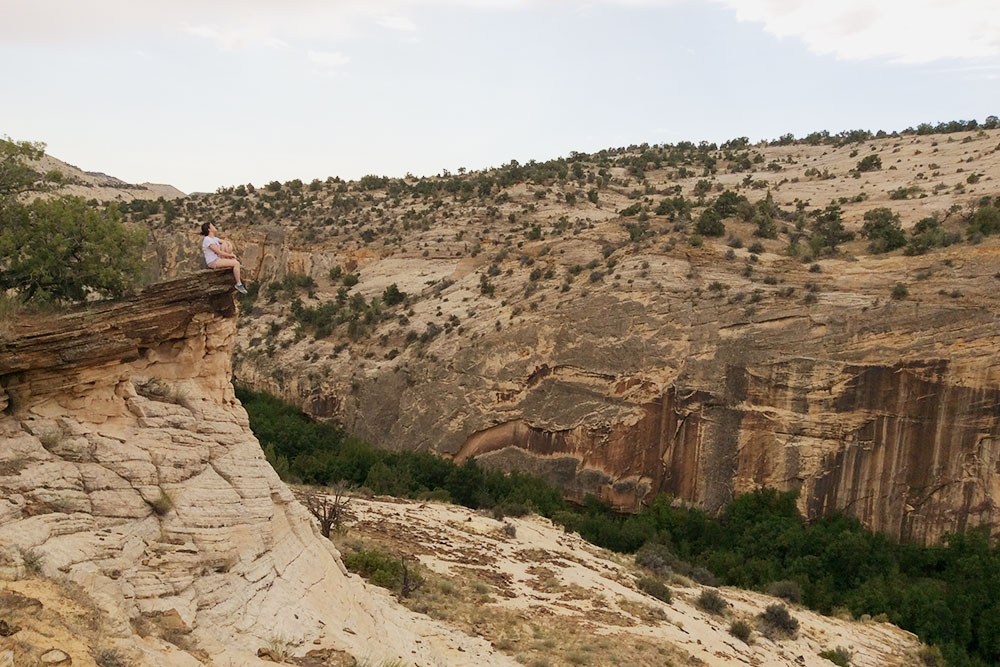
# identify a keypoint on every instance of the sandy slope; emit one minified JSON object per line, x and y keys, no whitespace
{"x":554,"y":597}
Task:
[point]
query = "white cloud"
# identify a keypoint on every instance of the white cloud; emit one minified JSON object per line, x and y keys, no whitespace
{"x":396,"y":22}
{"x":234,"y":39}
{"x":328,"y":61}
{"x":907,"y":31}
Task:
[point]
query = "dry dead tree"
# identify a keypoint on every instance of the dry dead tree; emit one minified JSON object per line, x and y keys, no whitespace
{"x":410,"y":581}
{"x":328,"y":505}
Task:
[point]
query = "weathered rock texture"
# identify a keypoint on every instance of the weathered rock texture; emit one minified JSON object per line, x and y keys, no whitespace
{"x":127,"y":465}
{"x":665,"y":366}
{"x":887,"y":410}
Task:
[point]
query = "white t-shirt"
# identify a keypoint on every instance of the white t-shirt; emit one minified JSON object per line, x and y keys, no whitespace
{"x":206,"y":243}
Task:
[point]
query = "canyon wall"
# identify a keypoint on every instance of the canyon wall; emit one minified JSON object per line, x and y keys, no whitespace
{"x":887,"y":410}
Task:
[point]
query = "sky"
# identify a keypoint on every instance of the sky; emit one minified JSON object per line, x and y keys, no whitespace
{"x":201,"y":93}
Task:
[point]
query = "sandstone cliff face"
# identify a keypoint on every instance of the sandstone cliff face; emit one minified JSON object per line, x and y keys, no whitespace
{"x":702,"y":372}
{"x":127,"y":466}
{"x":887,"y":410}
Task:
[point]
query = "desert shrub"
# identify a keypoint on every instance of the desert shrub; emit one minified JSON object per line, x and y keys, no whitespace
{"x":437,"y":495}
{"x":712,"y":602}
{"x":659,"y":559}
{"x":838,"y":656}
{"x":111,"y":657}
{"x":631,"y":210}
{"x":729,"y":204}
{"x":703,"y":576}
{"x":828,"y":229}
{"x":765,"y":227}
{"x":741,"y":630}
{"x":392,"y":296}
{"x":33,"y":560}
{"x":375,"y":565}
{"x":985,"y":221}
{"x":786,"y":590}
{"x":511,"y":509}
{"x":936,"y":592}
{"x":903,"y":193}
{"x":350,"y":280}
{"x":777,"y":620}
{"x":654,"y":587}
{"x":900,"y":291}
{"x":869,"y":163}
{"x":931,"y":656}
{"x":486,"y":287}
{"x":710,"y":223}
{"x":928,"y":233}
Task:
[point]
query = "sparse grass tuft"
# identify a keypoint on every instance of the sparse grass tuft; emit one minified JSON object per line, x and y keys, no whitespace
{"x":741,"y":630}
{"x":279,"y":648}
{"x":33,"y":560}
{"x":51,"y":437}
{"x":111,"y":657}
{"x":161,"y":504}
{"x":838,"y":656}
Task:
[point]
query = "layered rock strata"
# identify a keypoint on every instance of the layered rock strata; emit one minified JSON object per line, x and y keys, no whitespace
{"x":128,"y":466}
{"x":887,"y":410}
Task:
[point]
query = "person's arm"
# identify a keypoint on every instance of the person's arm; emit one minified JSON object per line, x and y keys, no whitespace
{"x":218,"y":251}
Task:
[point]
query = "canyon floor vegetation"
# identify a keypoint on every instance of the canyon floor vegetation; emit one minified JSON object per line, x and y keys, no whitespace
{"x":945,"y":594}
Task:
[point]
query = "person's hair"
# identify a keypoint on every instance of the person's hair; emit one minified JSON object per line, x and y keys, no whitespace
{"x":204,"y":228}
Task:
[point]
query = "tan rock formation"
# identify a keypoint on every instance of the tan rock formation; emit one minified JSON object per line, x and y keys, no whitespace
{"x":701,"y":371}
{"x":127,"y":466}
{"x":884,"y":409}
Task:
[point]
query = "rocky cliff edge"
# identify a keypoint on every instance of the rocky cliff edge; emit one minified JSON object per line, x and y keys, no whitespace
{"x":128,"y":469}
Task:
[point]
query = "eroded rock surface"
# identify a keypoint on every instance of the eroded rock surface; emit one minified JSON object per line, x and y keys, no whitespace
{"x":594,"y":340}
{"x":128,"y":466}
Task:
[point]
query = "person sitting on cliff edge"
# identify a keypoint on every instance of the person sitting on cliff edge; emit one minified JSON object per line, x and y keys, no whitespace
{"x":219,"y":254}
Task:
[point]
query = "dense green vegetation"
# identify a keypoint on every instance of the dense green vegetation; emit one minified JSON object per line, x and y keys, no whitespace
{"x":313,"y":453}
{"x":949,"y":595}
{"x":60,"y":248}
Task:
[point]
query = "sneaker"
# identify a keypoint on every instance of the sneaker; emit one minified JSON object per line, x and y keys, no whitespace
{"x":240,"y":288}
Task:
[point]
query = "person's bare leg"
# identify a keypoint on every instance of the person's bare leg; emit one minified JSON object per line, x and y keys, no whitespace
{"x":227,"y":246}
{"x":230,"y":264}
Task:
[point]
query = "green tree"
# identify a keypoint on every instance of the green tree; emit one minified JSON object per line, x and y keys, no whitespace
{"x":883,"y":230}
{"x":870,"y":163}
{"x":392,"y":296}
{"x":710,"y":223}
{"x":16,"y":176}
{"x":60,"y":248}
{"x":828,"y":229}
